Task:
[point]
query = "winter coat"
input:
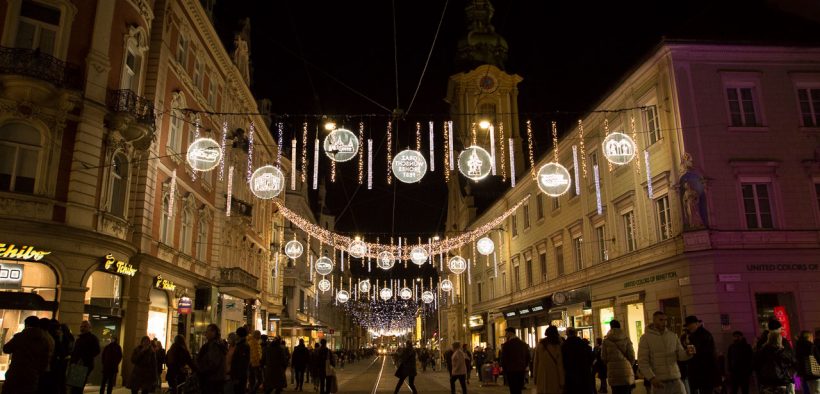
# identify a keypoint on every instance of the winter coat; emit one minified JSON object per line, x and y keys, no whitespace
{"x":407,"y":363}
{"x":774,"y":366}
{"x":578,"y":359}
{"x":276,"y":361}
{"x":30,"y":356}
{"x":548,"y":368}
{"x":315,"y":363}
{"x":459,"y":362}
{"x":802,"y":351}
{"x":515,"y":355}
{"x":144,"y":375}
{"x":301,"y":357}
{"x":210,"y":362}
{"x":111,"y":357}
{"x":323,"y":356}
{"x":618,"y":354}
{"x":659,"y":353}
{"x":241,"y":360}
{"x":176,"y":359}
{"x":86,"y":347}
{"x":740,"y":359}
{"x":448,"y":360}
{"x":255,"y":348}
{"x":703,"y":364}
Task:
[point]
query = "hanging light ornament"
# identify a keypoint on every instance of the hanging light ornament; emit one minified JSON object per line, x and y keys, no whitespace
{"x":635,"y":139}
{"x":341,"y":145}
{"x":492,"y":148}
{"x":418,"y":255}
{"x":446,"y":285}
{"x":324,"y":285}
{"x":553,"y":179}
{"x":294,"y":249}
{"x":648,"y":175}
{"x":267,"y":182}
{"x":409,"y":166}
{"x":279,"y":143}
{"x":450,"y":151}
{"x":324,"y":265}
{"x":357,"y":249}
{"x":204,"y":154}
{"x":427,"y":296}
{"x":457,"y":265}
{"x":405,"y":293}
{"x":474,"y":162}
{"x":583,"y":150}
{"x":316,"y":161}
{"x":386,"y":293}
{"x":530,"y":147}
{"x":386,"y":260}
{"x":512,"y":163}
{"x":485,"y":246}
{"x":364,"y":286}
{"x":619,"y":148}
{"x":342,"y":296}
{"x":597,"y":189}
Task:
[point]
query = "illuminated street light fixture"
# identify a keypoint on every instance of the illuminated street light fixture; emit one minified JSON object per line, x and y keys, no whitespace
{"x":484,"y":124}
{"x":330,"y":125}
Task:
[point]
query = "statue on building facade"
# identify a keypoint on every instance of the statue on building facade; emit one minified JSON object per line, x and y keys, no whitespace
{"x":241,"y":57}
{"x":692,"y":186}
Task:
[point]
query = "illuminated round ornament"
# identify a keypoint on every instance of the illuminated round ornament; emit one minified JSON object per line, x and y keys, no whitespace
{"x":342,"y":296}
{"x":457,"y":265}
{"x":341,"y":145}
{"x":405,"y":293}
{"x":485,"y":246}
{"x":267,"y":182}
{"x":553,"y":179}
{"x":324,"y":285}
{"x":427,"y":296}
{"x":294,"y":249}
{"x":409,"y":166}
{"x":418,"y":255}
{"x":204,"y":154}
{"x":324,"y":266}
{"x":357,"y":249}
{"x":386,"y":293}
{"x":475,"y":163}
{"x":385,"y":260}
{"x":619,"y":148}
{"x":364,"y":286}
{"x":446,"y":285}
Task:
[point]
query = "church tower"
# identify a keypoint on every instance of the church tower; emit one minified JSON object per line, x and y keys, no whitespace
{"x":482,"y":91}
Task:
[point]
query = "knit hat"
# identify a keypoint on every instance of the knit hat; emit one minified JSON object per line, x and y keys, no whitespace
{"x":774,"y":325}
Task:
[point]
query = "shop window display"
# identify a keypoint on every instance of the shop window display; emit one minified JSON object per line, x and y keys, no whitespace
{"x":103,"y":303}
{"x":158,"y":316}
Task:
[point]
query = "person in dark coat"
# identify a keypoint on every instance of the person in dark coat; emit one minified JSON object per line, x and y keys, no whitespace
{"x":276,"y":362}
{"x":144,"y":375}
{"x":407,"y":368}
{"x":86,"y":347}
{"x":577,"y":364}
{"x":774,"y":364}
{"x":599,"y":366}
{"x":30,"y":357}
{"x":468,"y":360}
{"x":210,"y":362}
{"x":176,"y":359}
{"x":314,"y":365}
{"x":803,"y":349}
{"x":160,"y":355}
{"x":325,"y":357}
{"x":301,"y":357}
{"x":53,"y":379}
{"x":240,"y":361}
{"x":110,"y":360}
{"x":739,"y":359}
{"x":703,"y":365}
{"x":515,"y":358}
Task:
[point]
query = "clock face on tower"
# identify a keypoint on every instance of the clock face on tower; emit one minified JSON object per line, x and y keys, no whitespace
{"x":487,"y":83}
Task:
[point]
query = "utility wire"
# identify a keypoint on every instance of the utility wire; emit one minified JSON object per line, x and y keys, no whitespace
{"x":429,"y":55}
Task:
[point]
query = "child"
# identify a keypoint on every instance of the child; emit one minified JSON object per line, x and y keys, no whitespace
{"x":496,"y":371}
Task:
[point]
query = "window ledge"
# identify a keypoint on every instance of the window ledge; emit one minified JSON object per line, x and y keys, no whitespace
{"x":810,"y":129}
{"x":748,"y":129}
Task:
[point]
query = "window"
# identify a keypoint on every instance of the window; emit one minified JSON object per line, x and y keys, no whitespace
{"x":504,"y":283}
{"x":542,"y":259}
{"x":119,"y":182}
{"x":182,"y":51}
{"x":577,"y":249}
{"x":492,"y":288}
{"x":809,"y":106}
{"x":212,"y":93}
{"x":539,"y":206}
{"x":198,"y":73}
{"x":629,"y":231}
{"x":514,"y":224}
{"x":600,"y":238}
{"x":742,"y":110}
{"x":529,"y":272}
{"x":166,"y":225}
{"x":38,"y":27}
{"x":817,"y":194}
{"x":653,"y":128}
{"x":517,"y":278}
{"x":756,"y":205}
{"x":187,"y":230}
{"x":664,"y":218}
{"x":202,"y":241}
{"x":559,"y":259}
{"x":130,"y":71}
{"x":478,"y":291}
{"x":526,"y":213}
{"x":556,"y":204}
{"x":19,"y":157}
{"x":175,"y":131}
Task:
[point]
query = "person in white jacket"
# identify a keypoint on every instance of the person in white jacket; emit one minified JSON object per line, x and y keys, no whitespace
{"x":659,"y":351}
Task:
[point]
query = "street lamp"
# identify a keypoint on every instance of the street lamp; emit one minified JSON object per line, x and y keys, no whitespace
{"x":484,"y":124}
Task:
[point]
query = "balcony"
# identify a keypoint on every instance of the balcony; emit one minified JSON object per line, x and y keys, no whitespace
{"x":237,"y":277}
{"x":35,"y":64}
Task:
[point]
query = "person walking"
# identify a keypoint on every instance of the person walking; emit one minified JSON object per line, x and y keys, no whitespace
{"x":316,"y":364}
{"x":459,"y":369}
{"x":30,"y":357}
{"x":326,"y":370}
{"x":577,"y":357}
{"x":211,"y":361}
{"x":407,"y":368}
{"x":739,"y":358}
{"x":255,"y":368}
{"x":159,"y":352}
{"x":448,"y":360}
{"x":275,"y":362}
{"x":240,"y":361}
{"x":619,"y":355}
{"x":804,"y":350}
{"x":599,"y":365}
{"x":515,"y":358}
{"x":703,"y":369}
{"x":110,"y":360}
{"x":144,"y":373}
{"x":299,"y":363}
{"x":548,"y":364}
{"x":773,"y":364}
{"x":659,"y":350}
{"x":86,"y":348}
{"x":468,"y":360}
{"x":176,"y":359}
{"x":479,"y":357}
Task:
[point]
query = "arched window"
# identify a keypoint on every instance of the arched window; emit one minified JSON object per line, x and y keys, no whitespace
{"x":202,"y":240}
{"x":175,"y":132}
{"x":187,"y":230}
{"x":19,"y":157}
{"x":119,"y":184}
{"x":166,"y":224}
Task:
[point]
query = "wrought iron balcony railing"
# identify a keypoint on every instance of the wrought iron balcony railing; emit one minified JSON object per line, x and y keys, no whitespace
{"x":127,"y":101}
{"x":237,"y":276}
{"x":35,"y":64}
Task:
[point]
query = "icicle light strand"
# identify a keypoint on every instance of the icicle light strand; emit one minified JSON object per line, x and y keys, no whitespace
{"x":361,"y":153}
{"x":279,"y":144}
{"x":583,"y":149}
{"x":530,"y":147}
{"x":512,"y":163}
{"x":173,"y":193}
{"x":230,"y":192}
{"x":293,"y":164}
{"x":418,"y":136}
{"x":304,"y":151}
{"x":597,"y":189}
{"x":635,"y":138}
{"x":251,"y":132}
{"x":492,"y":149}
{"x":389,"y":153}
{"x":369,"y":164}
{"x":316,"y":164}
{"x":197,"y":125}
{"x":575,"y":169}
{"x":502,"y":151}
{"x":648,"y":175}
{"x":450,"y":151}
{"x":447,"y":152}
{"x":222,"y":144}
{"x":606,"y":133}
{"x":432,"y":150}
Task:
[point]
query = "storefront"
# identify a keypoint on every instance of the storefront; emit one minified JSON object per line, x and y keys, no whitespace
{"x":572,"y":309}
{"x":478,"y":330}
{"x":528,"y":318}
{"x":28,"y":287}
{"x":162,"y":321}
{"x":231,"y":313}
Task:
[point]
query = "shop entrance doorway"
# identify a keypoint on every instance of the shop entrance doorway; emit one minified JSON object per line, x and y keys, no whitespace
{"x":779,"y":306}
{"x":636,"y":323}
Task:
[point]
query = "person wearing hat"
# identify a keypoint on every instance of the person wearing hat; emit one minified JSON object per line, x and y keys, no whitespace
{"x":515,"y":358}
{"x":703,"y":365}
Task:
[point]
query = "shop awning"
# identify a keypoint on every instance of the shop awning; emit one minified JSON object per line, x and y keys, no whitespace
{"x":526,"y":310}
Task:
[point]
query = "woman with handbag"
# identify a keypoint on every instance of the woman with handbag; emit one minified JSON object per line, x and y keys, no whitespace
{"x":144,"y":375}
{"x":407,"y":368}
{"x":808,"y":369}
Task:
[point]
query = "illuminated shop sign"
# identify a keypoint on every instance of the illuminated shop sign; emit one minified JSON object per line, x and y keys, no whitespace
{"x":476,"y":321}
{"x":11,"y":276}
{"x":164,"y":284}
{"x":184,"y":306}
{"x":27,"y":253}
{"x":117,"y":266}
{"x":509,"y":314}
{"x":537,"y":308}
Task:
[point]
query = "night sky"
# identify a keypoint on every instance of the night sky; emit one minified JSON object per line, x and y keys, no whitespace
{"x":569,"y":54}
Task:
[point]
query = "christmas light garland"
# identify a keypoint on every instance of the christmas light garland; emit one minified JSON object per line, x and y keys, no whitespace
{"x":501,"y":150}
{"x":249,"y":172}
{"x":361,"y":153}
{"x":389,"y":153}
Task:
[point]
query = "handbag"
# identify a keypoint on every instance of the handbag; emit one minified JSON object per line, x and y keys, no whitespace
{"x":812,"y":367}
{"x":76,"y":375}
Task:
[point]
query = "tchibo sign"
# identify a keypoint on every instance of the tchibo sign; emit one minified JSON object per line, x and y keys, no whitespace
{"x":11,"y":276}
